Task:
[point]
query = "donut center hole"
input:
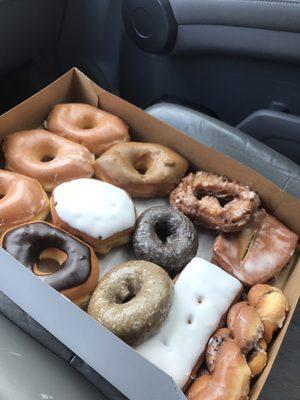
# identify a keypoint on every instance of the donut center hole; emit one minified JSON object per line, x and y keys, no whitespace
{"x":163,"y":230}
{"x":50,"y":261}
{"x":126,"y":293}
{"x":142,"y":164}
{"x":86,"y":123}
{"x":47,"y":158}
{"x":223,"y":199}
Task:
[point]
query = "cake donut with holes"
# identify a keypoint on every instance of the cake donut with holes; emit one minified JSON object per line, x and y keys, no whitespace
{"x":78,"y":271}
{"x":101,"y":214}
{"x":214,"y":201}
{"x":203,"y":294}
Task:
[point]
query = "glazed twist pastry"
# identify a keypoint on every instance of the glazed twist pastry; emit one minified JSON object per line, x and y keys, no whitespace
{"x":271,"y":306}
{"x":241,"y":347}
{"x":230,"y":378}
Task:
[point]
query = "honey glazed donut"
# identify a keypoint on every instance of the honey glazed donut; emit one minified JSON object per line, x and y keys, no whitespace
{"x":23,"y":200}
{"x":49,"y":158}
{"x":93,"y":128}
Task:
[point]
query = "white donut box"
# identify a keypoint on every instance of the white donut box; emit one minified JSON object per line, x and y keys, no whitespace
{"x":115,"y":368}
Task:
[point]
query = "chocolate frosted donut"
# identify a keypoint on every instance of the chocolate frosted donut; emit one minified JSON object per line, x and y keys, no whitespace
{"x":78,"y":273}
{"x":132,"y":300}
{"x":166,"y":237}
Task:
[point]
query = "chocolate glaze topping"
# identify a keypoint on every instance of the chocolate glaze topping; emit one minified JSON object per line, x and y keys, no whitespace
{"x":26,"y":242}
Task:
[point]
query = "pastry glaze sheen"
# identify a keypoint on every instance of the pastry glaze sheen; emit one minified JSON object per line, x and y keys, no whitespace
{"x":229,"y":380}
{"x":78,"y":274}
{"x":214,"y":201}
{"x":142,"y":169}
{"x":93,"y":128}
{"x":202,"y":295}
{"x":23,"y":200}
{"x":165,"y":237}
{"x":257,"y":253}
{"x":49,"y":158}
{"x":132,"y":300}
{"x":101,"y":214}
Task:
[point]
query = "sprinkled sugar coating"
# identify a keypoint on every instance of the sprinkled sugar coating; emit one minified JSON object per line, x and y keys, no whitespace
{"x":132,"y":300}
{"x":165,"y":237}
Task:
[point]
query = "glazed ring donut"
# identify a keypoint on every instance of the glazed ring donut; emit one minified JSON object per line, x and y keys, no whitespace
{"x":78,"y":273}
{"x":214,"y":201}
{"x":132,"y":300}
{"x":99,"y":213}
{"x":46,"y":157}
{"x":82,"y":123}
{"x":142,"y":169}
{"x":165,"y":237}
{"x":23,"y":200}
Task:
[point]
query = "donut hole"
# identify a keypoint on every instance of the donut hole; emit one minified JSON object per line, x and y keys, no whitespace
{"x":143,"y":163}
{"x":47,"y":158}
{"x":50,"y":261}
{"x":223,"y":198}
{"x":127,"y":292}
{"x":163,"y":230}
{"x":86,"y":123}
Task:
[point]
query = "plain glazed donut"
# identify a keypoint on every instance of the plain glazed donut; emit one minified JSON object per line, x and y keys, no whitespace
{"x":95,"y":129}
{"x":142,"y":169}
{"x":214,"y":201}
{"x":99,"y":213}
{"x":78,"y":271}
{"x":49,"y":158}
{"x":165,"y":237}
{"x":132,"y":300}
{"x":23,"y":200}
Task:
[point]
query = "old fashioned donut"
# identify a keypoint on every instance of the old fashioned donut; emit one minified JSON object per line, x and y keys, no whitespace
{"x":99,"y":213}
{"x":142,"y":169}
{"x":165,"y":237}
{"x":214,"y":201}
{"x":23,"y":200}
{"x":258,"y":252}
{"x":49,"y":158}
{"x":95,"y":129}
{"x":78,"y":270}
{"x":132,"y":300}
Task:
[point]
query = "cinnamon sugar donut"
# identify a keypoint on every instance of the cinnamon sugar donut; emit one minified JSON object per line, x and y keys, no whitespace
{"x":142,"y":169}
{"x":23,"y":200}
{"x":95,"y":129}
{"x":49,"y":158}
{"x":215,"y":201}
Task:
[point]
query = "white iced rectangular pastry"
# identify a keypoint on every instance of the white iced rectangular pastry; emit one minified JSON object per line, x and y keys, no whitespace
{"x":202,"y":295}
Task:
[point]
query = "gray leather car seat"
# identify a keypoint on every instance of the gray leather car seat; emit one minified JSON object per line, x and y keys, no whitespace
{"x":30,"y":372}
{"x":234,"y":143}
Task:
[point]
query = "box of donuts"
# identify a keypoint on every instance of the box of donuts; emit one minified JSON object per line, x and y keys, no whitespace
{"x":157,"y":267}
